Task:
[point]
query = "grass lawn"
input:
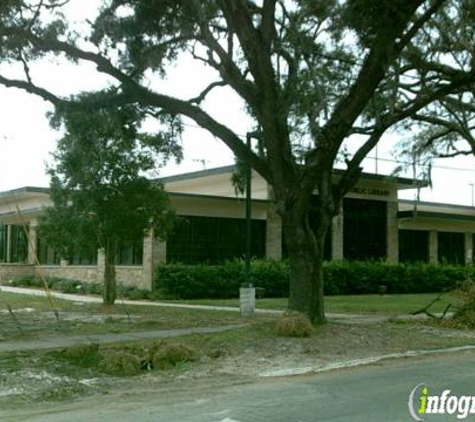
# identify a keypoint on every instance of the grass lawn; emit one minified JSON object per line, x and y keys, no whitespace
{"x":33,"y":317}
{"x":175,"y":318}
{"x":374,"y":304}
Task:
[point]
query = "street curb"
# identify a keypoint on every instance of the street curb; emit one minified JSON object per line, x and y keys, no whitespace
{"x":360,"y":362}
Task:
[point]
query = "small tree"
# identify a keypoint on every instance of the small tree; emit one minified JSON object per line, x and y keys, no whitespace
{"x":101,"y":197}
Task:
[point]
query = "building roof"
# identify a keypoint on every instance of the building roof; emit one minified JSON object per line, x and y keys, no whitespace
{"x":436,"y":215}
{"x":26,"y":191}
{"x":403,"y":182}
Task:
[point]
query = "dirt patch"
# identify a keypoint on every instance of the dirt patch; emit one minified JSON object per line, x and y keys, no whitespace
{"x":241,"y":354}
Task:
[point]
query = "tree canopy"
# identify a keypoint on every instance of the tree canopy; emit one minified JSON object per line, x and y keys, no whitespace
{"x":312,"y":74}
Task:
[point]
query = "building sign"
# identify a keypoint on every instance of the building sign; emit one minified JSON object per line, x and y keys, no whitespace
{"x":370,"y":191}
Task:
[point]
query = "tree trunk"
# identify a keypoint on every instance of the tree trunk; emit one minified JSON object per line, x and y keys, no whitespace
{"x":306,"y":264}
{"x":110,"y":288}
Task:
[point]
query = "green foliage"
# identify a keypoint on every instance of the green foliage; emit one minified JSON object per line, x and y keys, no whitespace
{"x":178,"y":281}
{"x":99,"y":188}
{"x":366,"y":277}
{"x":220,"y":281}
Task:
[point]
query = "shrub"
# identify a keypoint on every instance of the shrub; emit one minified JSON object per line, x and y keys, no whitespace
{"x":220,"y":281}
{"x":167,"y":355}
{"x":83,"y":354}
{"x":120,"y":363}
{"x":294,"y":324}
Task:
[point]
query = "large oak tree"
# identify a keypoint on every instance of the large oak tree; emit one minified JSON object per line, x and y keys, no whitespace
{"x":311,"y":73}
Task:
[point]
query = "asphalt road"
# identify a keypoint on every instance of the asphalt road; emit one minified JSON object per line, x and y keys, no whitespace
{"x":372,"y":393}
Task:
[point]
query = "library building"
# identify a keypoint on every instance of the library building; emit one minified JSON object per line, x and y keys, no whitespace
{"x":373,"y":224}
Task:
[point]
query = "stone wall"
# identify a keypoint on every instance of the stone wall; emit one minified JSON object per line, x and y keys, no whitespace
{"x":10,"y":272}
{"x":84,"y":273}
{"x":127,"y":276}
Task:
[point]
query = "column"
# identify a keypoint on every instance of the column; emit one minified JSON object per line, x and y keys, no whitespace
{"x":468,"y":248}
{"x":147,"y":261}
{"x":337,"y":236}
{"x":433,"y":247}
{"x":33,"y":244}
{"x":392,"y":246}
{"x":154,"y":253}
{"x":9,"y":243}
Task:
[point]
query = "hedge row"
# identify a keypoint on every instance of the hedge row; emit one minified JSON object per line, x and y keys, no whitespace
{"x":179,"y":281}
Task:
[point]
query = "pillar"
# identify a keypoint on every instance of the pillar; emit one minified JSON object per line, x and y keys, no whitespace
{"x":392,"y":246}
{"x":154,"y":253}
{"x":468,"y":249}
{"x":9,"y":243}
{"x":33,"y":244}
{"x":433,"y":247}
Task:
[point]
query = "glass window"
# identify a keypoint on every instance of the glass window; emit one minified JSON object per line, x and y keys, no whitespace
{"x":3,"y":242}
{"x":413,"y":246}
{"x":213,"y":240}
{"x":364,"y":229}
{"x":19,"y":243}
{"x":130,"y":253}
{"x":84,"y":257}
{"x":451,"y":248}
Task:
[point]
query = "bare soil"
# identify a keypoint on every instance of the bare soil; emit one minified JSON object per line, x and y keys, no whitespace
{"x":236,"y":356}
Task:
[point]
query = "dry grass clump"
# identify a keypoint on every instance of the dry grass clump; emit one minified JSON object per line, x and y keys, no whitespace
{"x":120,"y":363}
{"x":167,"y":355}
{"x":294,"y":324}
{"x":83,"y":354}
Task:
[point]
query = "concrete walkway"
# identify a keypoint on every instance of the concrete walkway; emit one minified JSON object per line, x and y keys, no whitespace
{"x":96,"y":299}
{"x":106,"y":338}
{"x":355,"y":318}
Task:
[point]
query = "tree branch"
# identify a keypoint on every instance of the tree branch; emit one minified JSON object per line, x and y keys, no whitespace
{"x":200,"y":98}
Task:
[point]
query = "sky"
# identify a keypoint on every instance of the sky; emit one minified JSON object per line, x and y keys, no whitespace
{"x":26,"y":139}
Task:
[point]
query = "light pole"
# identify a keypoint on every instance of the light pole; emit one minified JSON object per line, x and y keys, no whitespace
{"x":471,"y":191}
{"x":248,"y":280}
{"x":248,"y":215}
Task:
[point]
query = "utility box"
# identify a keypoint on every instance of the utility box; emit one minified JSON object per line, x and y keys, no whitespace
{"x":247,"y":300}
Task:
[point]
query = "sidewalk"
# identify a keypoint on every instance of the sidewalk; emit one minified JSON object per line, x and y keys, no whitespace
{"x":355,"y":318}
{"x":94,"y":299}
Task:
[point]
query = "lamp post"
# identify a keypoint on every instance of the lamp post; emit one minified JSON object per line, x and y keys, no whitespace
{"x":248,"y":216}
{"x":471,"y":191}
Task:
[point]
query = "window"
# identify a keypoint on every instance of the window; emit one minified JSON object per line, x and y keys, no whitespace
{"x":3,"y":242}
{"x":130,"y":253}
{"x":213,"y":240}
{"x":364,"y":229}
{"x":451,"y":248}
{"x":413,"y":246}
{"x":88,"y":257}
{"x":19,"y":243}
{"x":46,"y":255}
